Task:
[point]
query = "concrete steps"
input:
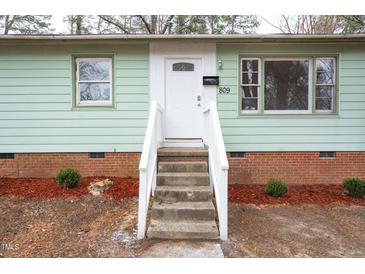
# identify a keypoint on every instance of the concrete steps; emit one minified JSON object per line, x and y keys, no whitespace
{"x":172,"y":194}
{"x":187,"y":211}
{"x":182,"y":207}
{"x":183,"y":179}
{"x":183,"y":230}
{"x":183,"y":166}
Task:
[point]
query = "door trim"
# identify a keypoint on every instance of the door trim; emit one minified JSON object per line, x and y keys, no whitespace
{"x":160,"y":50}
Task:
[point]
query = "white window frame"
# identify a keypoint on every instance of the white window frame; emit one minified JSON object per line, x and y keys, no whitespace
{"x":110,"y":81}
{"x":310,"y":89}
{"x":258,"y":85}
{"x":333,"y":99}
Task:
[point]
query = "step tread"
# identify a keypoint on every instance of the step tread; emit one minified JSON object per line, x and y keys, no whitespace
{"x":164,"y":162}
{"x":182,"y":166}
{"x":183,"y":230}
{"x":182,"y":151}
{"x":183,"y":188}
{"x":183,"y":174}
{"x":186,"y":205}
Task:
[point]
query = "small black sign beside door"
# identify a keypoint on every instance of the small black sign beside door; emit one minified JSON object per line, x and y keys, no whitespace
{"x":210,"y":80}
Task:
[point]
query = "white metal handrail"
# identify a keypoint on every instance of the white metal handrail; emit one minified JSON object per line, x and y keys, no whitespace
{"x":218,"y":164}
{"x":148,"y":164}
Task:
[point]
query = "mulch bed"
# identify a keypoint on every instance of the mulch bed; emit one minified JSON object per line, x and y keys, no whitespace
{"x":298,"y":194}
{"x":48,"y":188}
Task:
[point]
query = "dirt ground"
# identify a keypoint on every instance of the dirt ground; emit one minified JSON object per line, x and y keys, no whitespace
{"x":334,"y":230}
{"x":105,"y":227}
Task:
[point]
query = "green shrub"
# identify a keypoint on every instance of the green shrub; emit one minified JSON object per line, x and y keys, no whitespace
{"x":355,"y":187}
{"x":68,"y":178}
{"x":276,"y":188}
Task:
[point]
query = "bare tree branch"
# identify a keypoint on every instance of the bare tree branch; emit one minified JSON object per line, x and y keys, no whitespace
{"x":117,"y":24}
{"x":271,"y":24}
{"x":146,"y":24}
{"x":168,"y":21}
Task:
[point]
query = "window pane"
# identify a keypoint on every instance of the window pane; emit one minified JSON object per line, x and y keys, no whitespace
{"x":324,"y":77}
{"x":324,"y":91}
{"x":249,"y":92}
{"x":250,"y":65}
{"x":183,"y":67}
{"x":325,"y":64}
{"x":250,"y":78}
{"x":249,"y":104}
{"x":323,"y":104}
{"x":94,"y":92}
{"x":325,"y":71}
{"x":286,"y":85}
{"x":97,"y":70}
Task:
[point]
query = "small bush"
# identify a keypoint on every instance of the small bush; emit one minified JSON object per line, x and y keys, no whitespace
{"x":355,"y":187}
{"x":276,"y":188}
{"x":68,"y":178}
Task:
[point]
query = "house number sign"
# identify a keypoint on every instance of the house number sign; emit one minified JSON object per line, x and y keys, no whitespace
{"x":224,"y":90}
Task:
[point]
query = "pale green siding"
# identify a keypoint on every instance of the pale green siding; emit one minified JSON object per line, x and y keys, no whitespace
{"x":344,"y":131}
{"x":37,"y":115}
{"x":36,"y":111}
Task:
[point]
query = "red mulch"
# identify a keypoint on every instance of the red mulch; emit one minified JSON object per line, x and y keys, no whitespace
{"x":128,"y":187}
{"x":298,"y":194}
{"x":49,"y":188}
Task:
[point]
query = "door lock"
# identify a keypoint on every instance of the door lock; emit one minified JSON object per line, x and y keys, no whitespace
{"x":198,"y":98}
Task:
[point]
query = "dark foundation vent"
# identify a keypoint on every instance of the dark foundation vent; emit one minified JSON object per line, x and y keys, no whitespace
{"x":6,"y":156}
{"x":327,"y":154}
{"x":96,"y":155}
{"x":237,"y":154}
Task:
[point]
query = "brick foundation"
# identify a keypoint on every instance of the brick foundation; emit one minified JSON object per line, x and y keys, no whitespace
{"x":295,"y":167}
{"x":255,"y":168}
{"x":48,"y":164}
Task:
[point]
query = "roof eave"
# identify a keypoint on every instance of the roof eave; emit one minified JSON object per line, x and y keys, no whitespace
{"x":249,"y":38}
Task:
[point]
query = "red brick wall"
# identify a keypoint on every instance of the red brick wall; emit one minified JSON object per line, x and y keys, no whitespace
{"x":255,"y":168}
{"x":295,"y":167}
{"x":48,"y":164}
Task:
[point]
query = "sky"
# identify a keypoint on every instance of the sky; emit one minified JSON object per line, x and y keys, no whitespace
{"x":264,"y":28}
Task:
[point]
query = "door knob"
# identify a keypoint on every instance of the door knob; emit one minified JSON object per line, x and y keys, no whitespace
{"x":199,"y":98}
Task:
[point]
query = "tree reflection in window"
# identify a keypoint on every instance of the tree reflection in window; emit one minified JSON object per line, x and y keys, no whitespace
{"x":286,"y":84}
{"x":94,"y":80}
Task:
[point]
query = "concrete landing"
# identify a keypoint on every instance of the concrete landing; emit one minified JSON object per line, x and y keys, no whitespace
{"x":184,"y":249}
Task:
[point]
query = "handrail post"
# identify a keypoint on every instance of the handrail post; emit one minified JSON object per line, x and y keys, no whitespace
{"x":223,"y":219}
{"x":142,"y":214}
{"x":218,"y":165}
{"x":147,"y":164}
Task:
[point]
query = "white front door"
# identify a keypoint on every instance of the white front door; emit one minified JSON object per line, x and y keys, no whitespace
{"x":183,"y":95}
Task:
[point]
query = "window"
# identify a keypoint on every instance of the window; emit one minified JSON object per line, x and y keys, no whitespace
{"x":183,"y":67}
{"x":250,"y":85}
{"x":288,"y":85}
{"x":94,"y":81}
{"x":325,"y":84}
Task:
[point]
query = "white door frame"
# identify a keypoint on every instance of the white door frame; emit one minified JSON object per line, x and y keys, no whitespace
{"x":160,"y":51}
